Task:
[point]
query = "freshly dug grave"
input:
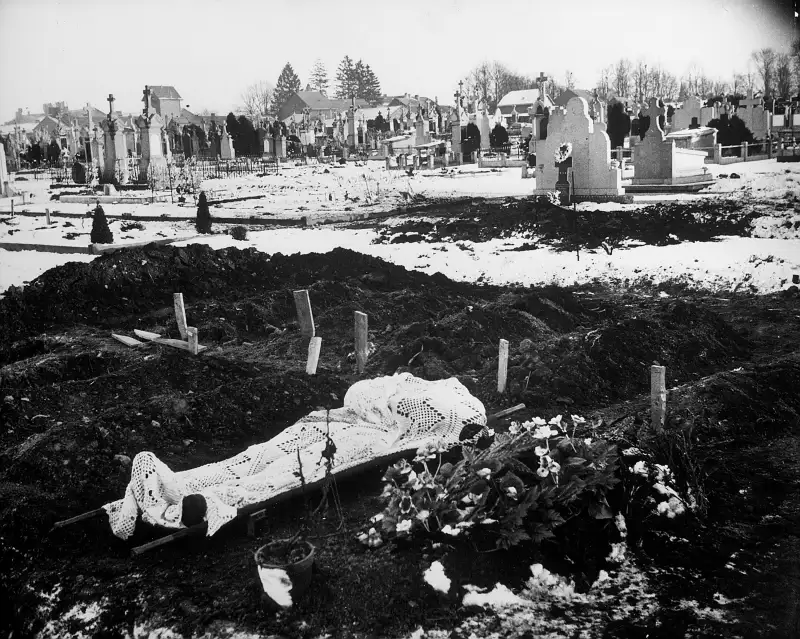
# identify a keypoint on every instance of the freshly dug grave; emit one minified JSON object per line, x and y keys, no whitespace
{"x":660,"y":224}
{"x":78,"y":406}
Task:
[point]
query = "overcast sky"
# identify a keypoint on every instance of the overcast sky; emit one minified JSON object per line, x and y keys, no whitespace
{"x":79,"y":51}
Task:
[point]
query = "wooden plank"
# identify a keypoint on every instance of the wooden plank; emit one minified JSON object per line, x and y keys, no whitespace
{"x":304,"y":315}
{"x":128,"y":341}
{"x":362,"y":340}
{"x":508,"y":411}
{"x":197,"y":529}
{"x":74,"y":520}
{"x":146,"y":334}
{"x":502,"y":366}
{"x":658,"y":397}
{"x":314,"y":347}
{"x":176,"y":343}
{"x":180,"y":313}
{"x":191,"y":333}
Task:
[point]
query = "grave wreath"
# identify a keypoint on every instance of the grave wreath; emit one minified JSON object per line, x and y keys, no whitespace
{"x":563,"y":152}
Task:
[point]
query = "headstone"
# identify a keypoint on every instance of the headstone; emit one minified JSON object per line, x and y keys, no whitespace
{"x":152,"y":163}
{"x":226,"y":150}
{"x":351,"y":124}
{"x":421,"y":133}
{"x":756,"y":118}
{"x":657,"y":161}
{"x":455,"y":129}
{"x":4,"y":180}
{"x":280,"y":147}
{"x":485,"y":128}
{"x":682,"y":118}
{"x":116,"y":152}
{"x":593,"y":176}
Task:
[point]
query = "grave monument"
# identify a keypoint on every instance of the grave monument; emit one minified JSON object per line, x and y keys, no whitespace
{"x":115,"y":167}
{"x":659,"y":165}
{"x":592,"y":175}
{"x":152,"y":162}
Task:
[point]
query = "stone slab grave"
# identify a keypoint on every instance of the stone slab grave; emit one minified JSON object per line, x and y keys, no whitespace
{"x":659,"y":164}
{"x":593,"y":176}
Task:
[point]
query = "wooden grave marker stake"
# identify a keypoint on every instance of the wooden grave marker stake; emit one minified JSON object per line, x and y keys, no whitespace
{"x":502,"y":366}
{"x":180,"y":313}
{"x":314,"y":347}
{"x":303,"y":305}
{"x":47,"y":216}
{"x":658,"y":397}
{"x":191,"y":333}
{"x":362,"y":337}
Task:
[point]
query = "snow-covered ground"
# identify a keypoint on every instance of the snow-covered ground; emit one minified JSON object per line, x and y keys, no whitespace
{"x":766,"y":262}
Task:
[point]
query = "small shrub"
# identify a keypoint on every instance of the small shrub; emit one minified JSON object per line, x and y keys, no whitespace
{"x":101,"y":234}
{"x":239,"y":233}
{"x":203,"y":214}
{"x":131,"y":226}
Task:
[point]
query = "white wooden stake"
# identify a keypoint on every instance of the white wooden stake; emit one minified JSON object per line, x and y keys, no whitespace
{"x":658,"y":397}
{"x":314,"y":347}
{"x":362,"y":337}
{"x":191,"y":332}
{"x":180,"y":313}
{"x":303,"y":305}
{"x":502,"y":366}
{"x":47,"y":216}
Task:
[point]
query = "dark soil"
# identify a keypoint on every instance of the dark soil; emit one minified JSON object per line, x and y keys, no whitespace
{"x":561,"y":228}
{"x":77,"y":406}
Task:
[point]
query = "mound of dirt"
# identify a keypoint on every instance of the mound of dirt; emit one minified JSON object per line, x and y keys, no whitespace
{"x":563,"y":229}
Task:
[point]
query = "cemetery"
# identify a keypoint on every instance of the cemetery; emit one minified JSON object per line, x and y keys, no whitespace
{"x":368,"y":365}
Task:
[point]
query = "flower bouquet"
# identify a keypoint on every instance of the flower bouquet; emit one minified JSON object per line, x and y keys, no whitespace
{"x":563,"y":152}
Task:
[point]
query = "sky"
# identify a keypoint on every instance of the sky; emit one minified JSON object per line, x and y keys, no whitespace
{"x":79,"y":51}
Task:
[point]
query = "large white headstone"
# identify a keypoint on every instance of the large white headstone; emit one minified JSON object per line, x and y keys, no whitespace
{"x":4,"y":179}
{"x":592,"y":172}
{"x":683,"y":117}
{"x":755,"y":117}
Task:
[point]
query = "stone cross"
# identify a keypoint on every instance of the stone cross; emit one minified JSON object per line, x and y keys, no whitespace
{"x":110,"y":99}
{"x":653,"y":112}
{"x":146,"y":100}
{"x":750,"y":101}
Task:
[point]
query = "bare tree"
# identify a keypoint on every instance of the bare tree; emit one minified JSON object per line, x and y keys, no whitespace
{"x":739,"y":84}
{"x":764,"y":60}
{"x":668,"y":85}
{"x":257,"y":100}
{"x":622,"y":77}
{"x":719,"y":88}
{"x":604,"y":84}
{"x":795,"y":53}
{"x":569,"y":79}
{"x":783,"y":75}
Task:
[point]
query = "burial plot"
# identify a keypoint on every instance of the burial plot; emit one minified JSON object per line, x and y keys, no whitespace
{"x":661,"y":166}
{"x":592,"y":175}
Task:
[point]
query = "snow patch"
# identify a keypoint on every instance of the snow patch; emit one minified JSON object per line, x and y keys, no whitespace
{"x":435,"y":577}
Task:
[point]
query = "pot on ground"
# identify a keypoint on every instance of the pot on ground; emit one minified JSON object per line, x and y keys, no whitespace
{"x":284,"y":570}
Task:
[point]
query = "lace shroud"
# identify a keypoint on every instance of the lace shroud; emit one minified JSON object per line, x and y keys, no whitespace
{"x":380,"y":417}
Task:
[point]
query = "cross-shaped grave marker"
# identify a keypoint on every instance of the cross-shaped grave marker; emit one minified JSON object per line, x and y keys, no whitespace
{"x":654,"y":111}
{"x":146,"y":100}
{"x":110,"y":99}
{"x":749,"y":102}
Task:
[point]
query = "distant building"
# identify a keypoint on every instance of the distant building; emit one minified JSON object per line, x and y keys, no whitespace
{"x":166,"y":101}
{"x":568,"y":94}
{"x":318,"y":104}
{"x":517,"y":103}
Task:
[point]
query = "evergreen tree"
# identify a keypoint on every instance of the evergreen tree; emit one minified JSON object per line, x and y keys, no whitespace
{"x":245,"y":143}
{"x":619,"y":123}
{"x":498,"y":136}
{"x":319,"y":77}
{"x":358,"y":79}
{"x":101,"y":234}
{"x":203,"y":223}
{"x":372,"y":87}
{"x":345,"y":79}
{"x":288,"y":83}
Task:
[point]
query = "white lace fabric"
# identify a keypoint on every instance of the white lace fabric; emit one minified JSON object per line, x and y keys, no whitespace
{"x":380,"y":417}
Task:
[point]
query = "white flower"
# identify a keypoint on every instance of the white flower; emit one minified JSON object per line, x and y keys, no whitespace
{"x":423,"y":515}
{"x":542,"y":472}
{"x":553,"y":466}
{"x":621,"y":525}
{"x":511,"y":491}
{"x":556,"y":421}
{"x":537,"y":421}
{"x":541,"y":451}
{"x":488,"y":521}
{"x":435,"y":577}
{"x":544,"y":432}
{"x":484,"y":472}
{"x":465,"y":524}
{"x":469,"y":498}
{"x":632,"y":452}
{"x":404,"y":526}
{"x":588,"y":441}
{"x":577,"y":419}
{"x":514,"y":428}
{"x":376,"y":518}
{"x":639,"y":468}
{"x":449,"y":530}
